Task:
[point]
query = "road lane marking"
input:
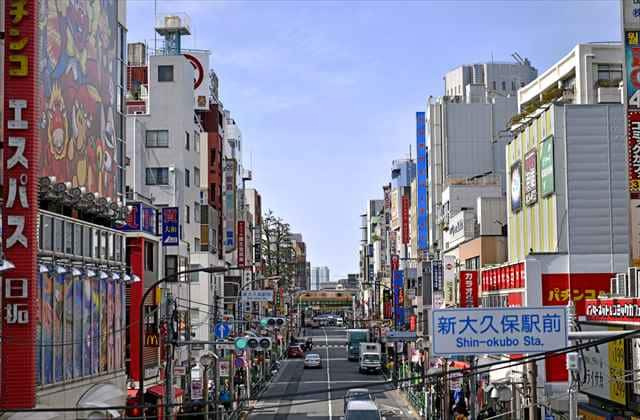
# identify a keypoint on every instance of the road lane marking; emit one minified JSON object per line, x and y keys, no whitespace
{"x":326,"y":341}
{"x":371,"y":381}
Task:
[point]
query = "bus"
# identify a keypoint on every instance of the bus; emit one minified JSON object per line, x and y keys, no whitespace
{"x":354,"y":338}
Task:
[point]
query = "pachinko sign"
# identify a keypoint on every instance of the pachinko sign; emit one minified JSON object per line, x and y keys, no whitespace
{"x":20,"y":212}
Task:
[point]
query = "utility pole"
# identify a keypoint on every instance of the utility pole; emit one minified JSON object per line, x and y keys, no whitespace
{"x":168,"y":371}
{"x":216,"y":380}
{"x":473,"y":393}
{"x":532,"y":378}
{"x":445,"y":390}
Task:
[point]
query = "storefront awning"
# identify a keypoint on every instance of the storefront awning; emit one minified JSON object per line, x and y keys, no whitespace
{"x":158,"y":390}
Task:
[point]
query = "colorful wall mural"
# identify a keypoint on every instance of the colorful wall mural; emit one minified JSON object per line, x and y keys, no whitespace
{"x":77,"y":75}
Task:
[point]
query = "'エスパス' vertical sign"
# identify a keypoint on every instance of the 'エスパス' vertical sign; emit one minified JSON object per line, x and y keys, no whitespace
{"x":631,"y":35}
{"x":20,"y":213}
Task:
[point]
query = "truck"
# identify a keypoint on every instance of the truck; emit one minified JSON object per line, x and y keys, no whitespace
{"x":354,"y":338}
{"x":370,"y":357}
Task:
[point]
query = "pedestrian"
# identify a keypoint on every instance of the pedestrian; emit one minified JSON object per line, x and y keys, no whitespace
{"x":225,"y":396}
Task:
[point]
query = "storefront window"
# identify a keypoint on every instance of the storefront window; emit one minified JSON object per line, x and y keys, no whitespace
{"x":104,"y":252}
{"x":96,"y":243}
{"x":86,"y":241}
{"x":47,"y":233}
{"x":68,"y":238}
{"x":58,"y":235}
{"x":77,"y":240}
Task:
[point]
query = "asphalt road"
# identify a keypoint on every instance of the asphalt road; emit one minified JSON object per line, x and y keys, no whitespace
{"x":298,"y":393}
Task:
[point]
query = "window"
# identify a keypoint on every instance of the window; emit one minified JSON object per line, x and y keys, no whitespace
{"x":521,"y":84}
{"x":196,"y":141}
{"x":196,"y":176}
{"x":157,"y":176}
{"x":196,"y":212}
{"x":157,"y":138}
{"x":504,"y":85}
{"x":187,"y":178}
{"x":47,"y":233}
{"x":77,"y":239}
{"x":196,"y":246}
{"x":148,"y":256}
{"x":187,"y":216}
{"x":171,"y":265}
{"x":86,"y":242}
{"x":68,"y":238}
{"x":610,"y":72}
{"x":494,"y":85}
{"x":513,"y":85}
{"x":186,"y":140}
{"x":165,"y":73}
{"x":58,"y":235}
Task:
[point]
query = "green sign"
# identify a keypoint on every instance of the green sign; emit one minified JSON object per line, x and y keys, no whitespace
{"x":547,"y":180}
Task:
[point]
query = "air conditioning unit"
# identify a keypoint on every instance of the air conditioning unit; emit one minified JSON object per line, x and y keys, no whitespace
{"x":619,"y":284}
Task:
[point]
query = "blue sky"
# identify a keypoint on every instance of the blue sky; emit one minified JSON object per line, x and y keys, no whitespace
{"x":325,"y":92}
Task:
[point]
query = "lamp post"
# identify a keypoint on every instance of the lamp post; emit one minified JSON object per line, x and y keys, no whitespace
{"x":206,"y":360}
{"x":171,"y":278}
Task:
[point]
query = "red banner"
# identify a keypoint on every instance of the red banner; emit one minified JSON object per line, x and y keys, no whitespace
{"x":506,"y":277}
{"x":395,"y":262}
{"x":625,"y":310}
{"x":387,"y":305}
{"x":241,"y":243}
{"x":633,"y":148}
{"x":20,"y":214}
{"x":468,"y":289}
{"x":412,"y":322}
{"x":405,"y":219}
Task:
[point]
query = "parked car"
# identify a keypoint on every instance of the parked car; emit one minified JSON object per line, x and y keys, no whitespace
{"x":362,"y":410}
{"x":295,"y":351}
{"x":312,"y":360}
{"x":357,"y":394}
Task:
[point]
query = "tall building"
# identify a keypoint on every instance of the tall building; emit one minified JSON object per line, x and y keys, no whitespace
{"x":299,"y":248}
{"x":63,"y":169}
{"x":319,"y":275}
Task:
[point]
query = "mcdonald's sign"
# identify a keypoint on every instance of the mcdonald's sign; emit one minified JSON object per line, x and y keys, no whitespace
{"x":151,"y":339}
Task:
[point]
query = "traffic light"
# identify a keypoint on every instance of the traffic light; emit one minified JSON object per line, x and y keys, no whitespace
{"x":272,"y":322}
{"x":240,"y":343}
{"x":259,"y":343}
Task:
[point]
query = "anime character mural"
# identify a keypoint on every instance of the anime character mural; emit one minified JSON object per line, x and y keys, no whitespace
{"x":77,"y":71}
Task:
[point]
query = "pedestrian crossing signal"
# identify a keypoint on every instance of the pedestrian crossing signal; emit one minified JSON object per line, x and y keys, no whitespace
{"x":272,"y":322}
{"x":261,"y":343}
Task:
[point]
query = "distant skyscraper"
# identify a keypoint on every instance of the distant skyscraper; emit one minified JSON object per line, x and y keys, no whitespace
{"x":319,"y":275}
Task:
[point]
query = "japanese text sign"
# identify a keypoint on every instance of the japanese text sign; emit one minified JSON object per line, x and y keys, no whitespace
{"x":405,"y":219}
{"x":141,"y":218}
{"x":257,"y":295}
{"x":398,"y":297}
{"x":498,"y":330}
{"x":602,"y":365}
{"x":624,"y":310}
{"x":19,"y":216}
{"x":530,"y":178}
{"x":241,"y":243}
{"x":170,"y":226}
{"x":468,"y":289}
{"x":436,"y":275}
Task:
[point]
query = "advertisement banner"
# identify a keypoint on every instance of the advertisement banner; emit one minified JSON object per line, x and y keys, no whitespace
{"x":257,"y":295}
{"x":449,"y":277}
{"x":620,"y":310}
{"x":141,"y":218}
{"x":224,"y":368}
{"x":547,"y":180}
{"x":241,"y":243}
{"x":21,"y":169}
{"x":516,"y":187}
{"x":468,"y":289}
{"x":229,"y":204}
{"x":498,"y":331}
{"x":436,"y":275}
{"x":398,"y":297}
{"x":422,"y":180}
{"x":170,"y":226}
{"x":387,"y":304}
{"x":531,"y":178}
{"x":395,"y":262}
{"x":405,"y":219}
{"x":603,"y":364}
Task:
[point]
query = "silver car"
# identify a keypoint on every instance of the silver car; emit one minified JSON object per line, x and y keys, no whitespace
{"x":312,"y":360}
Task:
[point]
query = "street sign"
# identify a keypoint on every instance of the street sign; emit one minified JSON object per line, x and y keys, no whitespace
{"x":179,"y":370}
{"x":224,"y":368}
{"x":402,"y":336}
{"x":498,"y":330}
{"x":222,"y":330}
{"x":257,"y":295}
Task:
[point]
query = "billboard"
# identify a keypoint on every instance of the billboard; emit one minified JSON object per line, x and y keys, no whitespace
{"x":516,"y":187}
{"x":422,"y":180}
{"x":547,"y":180}
{"x":21,"y":163}
{"x":468,"y":297}
{"x":170,"y":226}
{"x":436,"y":275}
{"x":241,"y":243}
{"x":201,"y":82}
{"x":80,"y":92}
{"x":229,"y":204}
{"x":398,"y":297}
{"x":448,"y":277}
{"x":530,"y":178}
{"x":498,"y":331}
{"x":602,"y":364}
{"x":621,"y":310}
{"x":141,"y":218}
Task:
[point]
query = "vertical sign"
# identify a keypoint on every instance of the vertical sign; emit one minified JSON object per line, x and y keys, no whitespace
{"x":436,"y":275}
{"x":530,"y":178}
{"x":170,"y":226}
{"x":395,"y":262}
{"x":448,"y":277}
{"x":422,"y":175}
{"x":405,"y":219}
{"x":631,"y":35}
{"x":387,"y":305}
{"x":398,"y":298}
{"x":468,"y":289}
{"x":547,"y":181}
{"x":20,"y":212}
{"x":516,"y":187}
{"x":229,"y":199}
{"x":241,"y":245}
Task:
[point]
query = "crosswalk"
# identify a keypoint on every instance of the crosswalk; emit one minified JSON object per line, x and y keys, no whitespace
{"x":331,"y":346}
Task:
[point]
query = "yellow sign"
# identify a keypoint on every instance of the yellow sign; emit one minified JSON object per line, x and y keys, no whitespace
{"x":588,"y":415}
{"x":617,"y":386}
{"x":151,"y":339}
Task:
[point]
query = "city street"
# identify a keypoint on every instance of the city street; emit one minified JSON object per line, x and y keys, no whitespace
{"x":298,"y":393}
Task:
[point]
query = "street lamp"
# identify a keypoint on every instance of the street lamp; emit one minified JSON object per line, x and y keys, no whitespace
{"x":206,"y":360}
{"x":171,"y":278}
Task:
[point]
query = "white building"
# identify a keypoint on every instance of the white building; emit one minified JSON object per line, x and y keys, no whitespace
{"x":319,"y":275}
